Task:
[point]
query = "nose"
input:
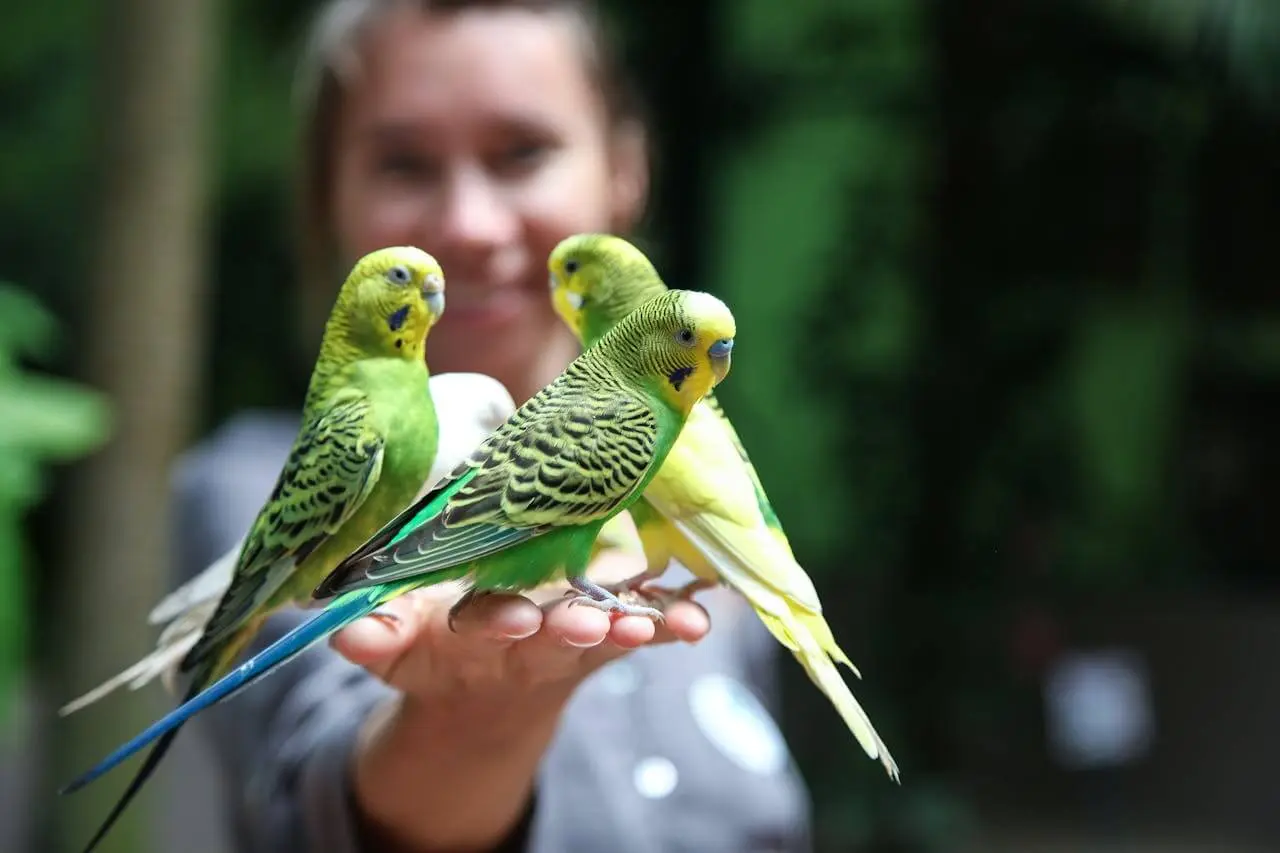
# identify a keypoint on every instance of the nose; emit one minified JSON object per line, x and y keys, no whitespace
{"x":474,"y":216}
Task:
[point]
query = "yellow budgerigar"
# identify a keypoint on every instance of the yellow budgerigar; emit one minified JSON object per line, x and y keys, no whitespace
{"x":706,"y":506}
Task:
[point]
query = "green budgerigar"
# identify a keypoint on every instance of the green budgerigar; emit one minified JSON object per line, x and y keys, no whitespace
{"x":366,"y":443}
{"x":706,"y":507}
{"x":526,"y":507}
{"x":468,"y":407}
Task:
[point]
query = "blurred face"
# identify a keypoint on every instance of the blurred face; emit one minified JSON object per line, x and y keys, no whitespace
{"x":479,"y":137}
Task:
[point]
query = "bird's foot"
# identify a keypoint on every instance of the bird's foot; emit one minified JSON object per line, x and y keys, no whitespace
{"x":634,"y":588}
{"x":593,"y":595}
{"x":664,"y":596}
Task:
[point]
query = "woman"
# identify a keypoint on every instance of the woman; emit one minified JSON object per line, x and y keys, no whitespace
{"x":484,"y":132}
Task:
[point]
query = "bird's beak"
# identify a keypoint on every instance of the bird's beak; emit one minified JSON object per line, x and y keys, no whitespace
{"x":433,"y":293}
{"x":572,"y":302}
{"x":720,"y":355}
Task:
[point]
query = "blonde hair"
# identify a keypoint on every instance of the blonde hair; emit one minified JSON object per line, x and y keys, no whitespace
{"x":331,"y":61}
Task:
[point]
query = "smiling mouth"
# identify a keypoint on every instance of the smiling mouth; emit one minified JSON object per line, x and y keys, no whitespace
{"x":483,"y":310}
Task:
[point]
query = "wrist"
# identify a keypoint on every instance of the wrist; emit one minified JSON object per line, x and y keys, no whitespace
{"x":448,"y":774}
{"x":489,"y":720}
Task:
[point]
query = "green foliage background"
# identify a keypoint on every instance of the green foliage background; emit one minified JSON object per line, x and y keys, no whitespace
{"x":1005,"y":285}
{"x":42,"y":420}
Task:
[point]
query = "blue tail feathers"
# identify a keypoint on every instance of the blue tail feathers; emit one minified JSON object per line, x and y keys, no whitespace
{"x":341,"y":612}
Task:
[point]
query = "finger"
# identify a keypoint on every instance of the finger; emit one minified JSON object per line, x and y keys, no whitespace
{"x":574,"y":626}
{"x":376,"y":641}
{"x":469,"y":655}
{"x":630,"y":632}
{"x":496,"y":616}
{"x":472,"y":652}
{"x":555,"y":652}
{"x":686,"y":621}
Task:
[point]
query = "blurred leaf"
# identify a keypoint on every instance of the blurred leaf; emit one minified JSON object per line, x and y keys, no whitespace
{"x":49,"y":419}
{"x":42,"y":420}
{"x":1122,"y":381}
{"x":26,"y":328}
{"x":1125,"y":385}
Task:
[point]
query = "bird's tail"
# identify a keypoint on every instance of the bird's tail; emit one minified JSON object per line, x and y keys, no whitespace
{"x":341,"y":612}
{"x":206,"y":587}
{"x":809,"y":638}
{"x":795,"y":620}
{"x":144,"y":772}
{"x":175,"y":641}
{"x":186,"y":610}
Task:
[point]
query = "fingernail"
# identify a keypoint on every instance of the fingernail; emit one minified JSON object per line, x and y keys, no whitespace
{"x":565,"y":641}
{"x":523,"y":633}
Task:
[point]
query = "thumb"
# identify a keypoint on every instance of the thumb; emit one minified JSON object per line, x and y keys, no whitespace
{"x":377,"y":640}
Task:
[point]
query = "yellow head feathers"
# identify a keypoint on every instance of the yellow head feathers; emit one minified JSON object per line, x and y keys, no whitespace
{"x":390,"y":301}
{"x":596,"y":280}
{"x":678,"y":342}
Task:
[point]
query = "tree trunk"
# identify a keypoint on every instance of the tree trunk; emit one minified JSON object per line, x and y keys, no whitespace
{"x":141,"y":343}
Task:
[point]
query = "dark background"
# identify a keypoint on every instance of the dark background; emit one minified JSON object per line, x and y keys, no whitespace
{"x":1009,"y":366}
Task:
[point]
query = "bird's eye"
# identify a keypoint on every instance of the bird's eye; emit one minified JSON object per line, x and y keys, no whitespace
{"x":570,"y":266}
{"x":686,"y":337}
{"x":399,"y":275}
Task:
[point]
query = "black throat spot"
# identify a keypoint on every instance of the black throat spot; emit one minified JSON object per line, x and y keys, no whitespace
{"x":678,"y":376}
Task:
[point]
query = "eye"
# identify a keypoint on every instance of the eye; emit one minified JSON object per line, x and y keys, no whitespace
{"x":399,"y":275}
{"x":570,"y":266}
{"x":406,"y":166}
{"x":686,"y":337}
{"x":520,"y":157}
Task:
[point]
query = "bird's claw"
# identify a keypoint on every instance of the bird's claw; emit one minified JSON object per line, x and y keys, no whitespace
{"x":666,"y":596}
{"x":467,"y":597}
{"x":615,"y":605}
{"x":590,"y":594}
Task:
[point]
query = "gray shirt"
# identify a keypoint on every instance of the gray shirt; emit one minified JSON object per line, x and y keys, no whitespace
{"x":666,"y":749}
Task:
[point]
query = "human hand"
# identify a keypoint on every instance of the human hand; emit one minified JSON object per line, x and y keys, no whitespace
{"x":478,"y":706}
{"x":504,"y":644}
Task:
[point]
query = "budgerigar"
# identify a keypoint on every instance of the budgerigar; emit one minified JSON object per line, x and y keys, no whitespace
{"x":468,"y":407}
{"x":365,"y":445}
{"x":528,"y":504}
{"x":706,"y":507}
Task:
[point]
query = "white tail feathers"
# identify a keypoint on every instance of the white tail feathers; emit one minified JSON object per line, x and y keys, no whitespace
{"x":187,"y":610}
{"x":208,"y":586}
{"x":174,"y":643}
